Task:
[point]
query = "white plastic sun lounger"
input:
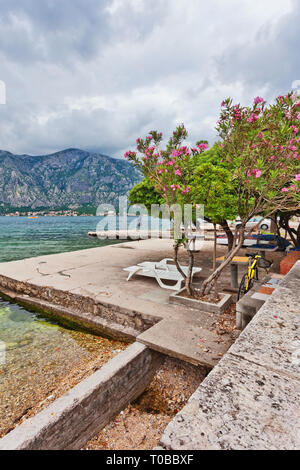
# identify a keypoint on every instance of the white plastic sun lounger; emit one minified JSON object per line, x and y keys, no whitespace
{"x":161,"y":271}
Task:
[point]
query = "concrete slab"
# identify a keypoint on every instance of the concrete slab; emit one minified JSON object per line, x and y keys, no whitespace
{"x":239,"y":406}
{"x":96,"y":273}
{"x":188,"y":339}
{"x":159,"y":296}
{"x":251,"y":398}
{"x":259,"y":296}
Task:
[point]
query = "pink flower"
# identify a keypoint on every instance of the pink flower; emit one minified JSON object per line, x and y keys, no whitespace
{"x":129,"y":154}
{"x":253,"y":118}
{"x":186,"y":190}
{"x":202,"y":146}
{"x":295,"y":129}
{"x":258,"y":174}
{"x":178,"y":172}
{"x":284,"y":190}
{"x":223,"y":104}
{"x":258,"y":100}
{"x":297,"y":177}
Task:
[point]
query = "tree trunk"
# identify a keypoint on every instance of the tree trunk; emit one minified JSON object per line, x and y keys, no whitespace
{"x":188,"y":281}
{"x":229,"y":234}
{"x":284,"y":223}
{"x":207,"y":284}
{"x":176,"y":249}
{"x":216,"y":290}
{"x":215,"y":248}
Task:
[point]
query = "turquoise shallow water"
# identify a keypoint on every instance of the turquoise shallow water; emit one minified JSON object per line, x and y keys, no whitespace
{"x":38,"y":356}
{"x":41,"y":359}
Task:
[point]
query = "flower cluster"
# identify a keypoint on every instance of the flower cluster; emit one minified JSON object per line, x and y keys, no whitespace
{"x":262,"y":145}
{"x":169,"y":170}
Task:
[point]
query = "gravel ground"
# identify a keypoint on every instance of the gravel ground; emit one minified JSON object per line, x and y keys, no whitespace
{"x":141,"y":425}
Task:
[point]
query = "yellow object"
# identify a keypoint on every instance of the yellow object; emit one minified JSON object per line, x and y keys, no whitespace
{"x":236,"y":259}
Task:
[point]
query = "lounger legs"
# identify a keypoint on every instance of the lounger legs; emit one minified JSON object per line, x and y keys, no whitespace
{"x":132,"y":273}
{"x":176,"y":287}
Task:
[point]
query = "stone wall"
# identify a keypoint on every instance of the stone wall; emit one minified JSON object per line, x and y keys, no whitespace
{"x":73,"y":419}
{"x":110,"y":319}
{"x":250,"y":400}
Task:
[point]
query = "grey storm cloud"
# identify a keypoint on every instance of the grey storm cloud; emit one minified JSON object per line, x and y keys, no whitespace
{"x":270,"y":57}
{"x":97,"y":74}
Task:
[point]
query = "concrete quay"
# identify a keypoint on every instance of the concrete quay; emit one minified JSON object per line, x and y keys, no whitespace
{"x":250,"y":400}
{"x":90,"y":287}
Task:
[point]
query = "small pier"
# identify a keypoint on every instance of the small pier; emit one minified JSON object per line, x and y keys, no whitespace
{"x":130,"y":234}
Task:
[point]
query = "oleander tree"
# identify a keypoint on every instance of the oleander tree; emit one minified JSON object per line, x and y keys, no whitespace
{"x":261,"y":145}
{"x":144,"y":193}
{"x":169,"y":172}
{"x":211,"y":186}
{"x":257,"y":172}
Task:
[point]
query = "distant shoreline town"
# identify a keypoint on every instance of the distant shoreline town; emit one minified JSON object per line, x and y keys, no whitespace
{"x":60,"y":213}
{"x":67,"y":213}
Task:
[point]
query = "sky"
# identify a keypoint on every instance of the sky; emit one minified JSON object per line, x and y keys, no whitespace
{"x":98,"y":74}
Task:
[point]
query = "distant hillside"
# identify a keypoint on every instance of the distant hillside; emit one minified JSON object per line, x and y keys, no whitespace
{"x":70,"y":178}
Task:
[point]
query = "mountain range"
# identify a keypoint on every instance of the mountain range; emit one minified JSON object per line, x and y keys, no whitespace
{"x":67,"y":179}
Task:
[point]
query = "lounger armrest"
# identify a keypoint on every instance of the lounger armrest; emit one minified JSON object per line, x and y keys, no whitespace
{"x":163,"y":264}
{"x":165,"y":261}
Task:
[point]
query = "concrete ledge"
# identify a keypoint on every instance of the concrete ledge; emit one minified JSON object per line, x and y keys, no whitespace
{"x":73,"y":419}
{"x":129,"y":323}
{"x":220,"y":307}
{"x":251,"y":398}
{"x":239,"y":406}
{"x":66,"y":316}
{"x":247,"y":307}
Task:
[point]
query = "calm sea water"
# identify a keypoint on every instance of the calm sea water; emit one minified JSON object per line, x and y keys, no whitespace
{"x":21,"y":237}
